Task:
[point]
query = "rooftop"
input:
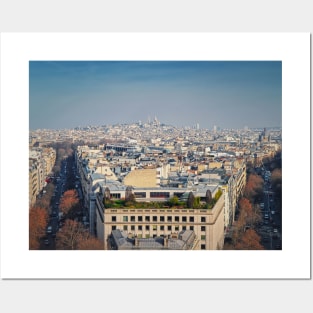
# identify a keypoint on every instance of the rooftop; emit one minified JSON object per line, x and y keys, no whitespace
{"x":184,"y":241}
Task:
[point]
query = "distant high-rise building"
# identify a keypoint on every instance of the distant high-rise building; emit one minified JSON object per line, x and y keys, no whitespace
{"x":197,"y":126}
{"x":214,"y":128}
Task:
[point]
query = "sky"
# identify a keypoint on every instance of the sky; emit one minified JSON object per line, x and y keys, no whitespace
{"x":228,"y":94}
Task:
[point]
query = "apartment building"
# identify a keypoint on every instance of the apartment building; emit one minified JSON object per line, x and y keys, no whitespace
{"x":41,"y":162}
{"x":208,"y":225}
{"x":33,"y":188}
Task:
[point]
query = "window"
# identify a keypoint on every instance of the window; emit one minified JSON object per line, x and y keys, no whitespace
{"x":147,"y":218}
{"x":154,"y":227}
{"x":155,"y":218}
{"x":162,"y":219}
{"x":147,"y":236}
{"x":132,"y":227}
{"x":140,"y":195}
{"x":178,"y":194}
{"x":176,"y":228}
{"x":191,"y":219}
{"x":125,"y":218}
{"x":202,"y":237}
{"x":184,"y":227}
{"x":139,"y":218}
{"x":140,"y":227}
{"x":169,"y":227}
{"x":159,"y":194}
{"x":147,"y":227}
{"x":113,"y":227}
{"x":202,"y":228}
{"x":113,"y":218}
{"x":202,"y":247}
{"x":133,"y":219}
{"x":203,"y":219}
{"x":169,"y":218}
{"x":125,"y":227}
{"x":176,"y":218}
{"x":191,"y":227}
{"x":161,"y":227}
{"x":184,"y":218}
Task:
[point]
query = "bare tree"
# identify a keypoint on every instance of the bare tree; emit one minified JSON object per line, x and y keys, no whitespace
{"x":37,"y":225}
{"x":72,"y":232}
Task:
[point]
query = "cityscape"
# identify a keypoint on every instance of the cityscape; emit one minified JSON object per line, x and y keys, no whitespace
{"x":155,"y":155}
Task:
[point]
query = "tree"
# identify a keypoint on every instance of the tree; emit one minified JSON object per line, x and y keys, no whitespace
{"x":173,"y":201}
{"x":218,"y":194}
{"x":254,"y":187}
{"x":43,"y":202}
{"x":68,"y":238}
{"x":90,"y":243}
{"x":68,"y":200}
{"x":208,"y":196}
{"x":250,"y":240}
{"x":196,"y":203}
{"x":69,"y":151}
{"x":276,"y":178}
{"x":130,"y":198}
{"x":107,"y":194}
{"x":61,"y":153}
{"x":245,"y":206}
{"x":75,"y":237}
{"x":190,"y":200}
{"x":38,"y":218}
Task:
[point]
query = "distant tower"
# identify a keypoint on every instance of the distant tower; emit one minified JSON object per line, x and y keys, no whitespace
{"x":214,"y":128}
{"x":197,"y":126}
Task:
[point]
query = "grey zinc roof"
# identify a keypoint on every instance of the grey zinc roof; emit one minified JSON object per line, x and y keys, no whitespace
{"x":125,"y":243}
{"x":121,"y":239}
{"x":95,"y":176}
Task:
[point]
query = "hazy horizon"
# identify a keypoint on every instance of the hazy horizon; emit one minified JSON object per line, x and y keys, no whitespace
{"x":228,"y":94}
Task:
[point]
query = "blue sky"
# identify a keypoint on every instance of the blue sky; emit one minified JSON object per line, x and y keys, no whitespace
{"x":230,"y":94}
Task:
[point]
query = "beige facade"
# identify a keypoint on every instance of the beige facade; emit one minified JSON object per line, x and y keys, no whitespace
{"x":33,"y":184}
{"x":215,"y":165}
{"x":142,"y":178}
{"x":208,"y":225}
{"x":41,"y":162}
{"x":49,"y":157}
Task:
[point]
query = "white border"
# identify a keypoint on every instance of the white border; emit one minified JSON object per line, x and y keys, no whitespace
{"x":18,"y":262}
